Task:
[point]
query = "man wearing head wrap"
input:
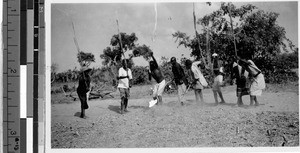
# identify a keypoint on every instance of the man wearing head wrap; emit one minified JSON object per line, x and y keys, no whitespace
{"x":83,"y":89}
{"x":156,"y":73}
{"x":256,"y":78}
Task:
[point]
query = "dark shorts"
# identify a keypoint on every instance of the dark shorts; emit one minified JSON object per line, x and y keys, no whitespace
{"x":124,"y":92}
{"x":242,"y":91}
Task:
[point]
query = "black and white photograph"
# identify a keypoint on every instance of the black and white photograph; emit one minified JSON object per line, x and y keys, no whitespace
{"x":220,"y":74}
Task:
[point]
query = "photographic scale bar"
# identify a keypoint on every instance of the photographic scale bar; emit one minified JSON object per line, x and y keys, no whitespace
{"x":23,"y":76}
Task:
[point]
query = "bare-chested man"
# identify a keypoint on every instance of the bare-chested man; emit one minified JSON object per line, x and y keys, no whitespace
{"x":156,"y":73}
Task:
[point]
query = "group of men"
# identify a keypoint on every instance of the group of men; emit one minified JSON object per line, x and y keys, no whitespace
{"x":179,"y":78}
{"x":242,"y":69}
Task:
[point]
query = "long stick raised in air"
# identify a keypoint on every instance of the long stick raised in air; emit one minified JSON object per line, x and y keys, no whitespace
{"x":155,"y":24}
{"x":120,"y":42}
{"x":198,"y":39}
{"x":229,"y":9}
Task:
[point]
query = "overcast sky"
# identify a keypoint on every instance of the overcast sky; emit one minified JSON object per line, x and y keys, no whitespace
{"x":96,"y":23}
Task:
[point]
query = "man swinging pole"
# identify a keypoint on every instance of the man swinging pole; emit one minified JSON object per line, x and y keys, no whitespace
{"x":83,"y":89}
{"x":157,"y":74}
{"x":84,"y":81}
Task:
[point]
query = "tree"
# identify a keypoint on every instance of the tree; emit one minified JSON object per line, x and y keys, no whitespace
{"x":142,"y":51}
{"x":112,"y":55}
{"x":85,"y":59}
{"x":255,"y":32}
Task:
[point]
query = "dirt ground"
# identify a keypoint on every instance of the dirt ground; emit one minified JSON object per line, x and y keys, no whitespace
{"x":275,"y":122}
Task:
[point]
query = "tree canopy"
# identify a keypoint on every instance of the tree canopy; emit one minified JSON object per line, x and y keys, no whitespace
{"x":85,"y":58}
{"x":112,"y":55}
{"x":256,"y":32}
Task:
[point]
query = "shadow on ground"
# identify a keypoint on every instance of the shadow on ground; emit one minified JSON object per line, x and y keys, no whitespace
{"x":77,"y":114}
{"x":138,"y":107}
{"x":114,"y":108}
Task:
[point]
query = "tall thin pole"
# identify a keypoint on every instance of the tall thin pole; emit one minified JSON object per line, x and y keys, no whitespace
{"x":120,"y":42}
{"x":198,"y":38}
{"x":229,"y":9}
{"x":155,"y":24}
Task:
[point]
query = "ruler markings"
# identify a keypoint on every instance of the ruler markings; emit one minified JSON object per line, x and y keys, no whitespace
{"x":12,"y":128}
{"x":5,"y":132}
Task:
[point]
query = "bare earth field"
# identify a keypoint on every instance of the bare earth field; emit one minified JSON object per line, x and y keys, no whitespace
{"x":274,"y":123}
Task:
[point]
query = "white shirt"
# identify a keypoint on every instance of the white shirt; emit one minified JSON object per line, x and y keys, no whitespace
{"x":218,"y":81}
{"x":124,"y":83}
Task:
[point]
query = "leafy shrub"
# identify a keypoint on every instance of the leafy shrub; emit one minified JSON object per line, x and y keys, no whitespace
{"x":140,"y":75}
{"x":279,"y":68}
{"x":67,"y":88}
